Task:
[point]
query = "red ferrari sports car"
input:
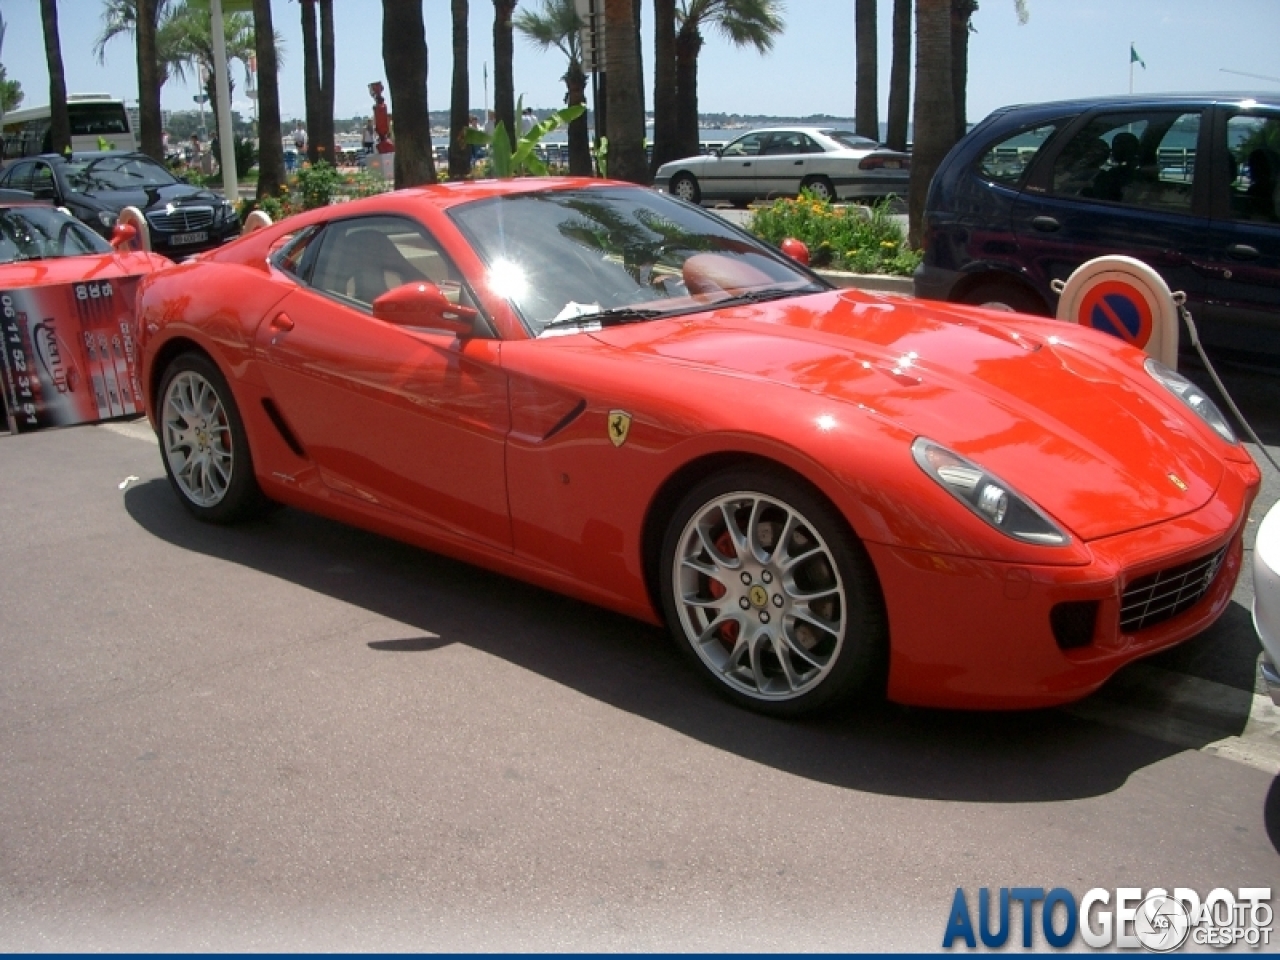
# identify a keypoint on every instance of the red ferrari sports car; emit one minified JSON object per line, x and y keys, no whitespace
{"x":608,"y":392}
{"x":66,"y":317}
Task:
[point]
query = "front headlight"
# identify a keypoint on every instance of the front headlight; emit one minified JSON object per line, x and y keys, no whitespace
{"x":107,"y":218}
{"x":988,"y":496}
{"x":1192,"y":396}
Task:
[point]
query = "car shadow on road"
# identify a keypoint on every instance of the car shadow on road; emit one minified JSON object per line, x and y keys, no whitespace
{"x":1045,"y":755}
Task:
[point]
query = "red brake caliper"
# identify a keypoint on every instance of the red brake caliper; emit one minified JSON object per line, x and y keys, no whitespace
{"x":728,"y":631}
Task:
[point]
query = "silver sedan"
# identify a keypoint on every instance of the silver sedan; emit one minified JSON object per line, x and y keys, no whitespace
{"x":832,"y":163}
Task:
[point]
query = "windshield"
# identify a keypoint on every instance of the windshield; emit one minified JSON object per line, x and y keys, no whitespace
{"x":41,"y":233}
{"x":117,"y":173}
{"x":561,"y":255}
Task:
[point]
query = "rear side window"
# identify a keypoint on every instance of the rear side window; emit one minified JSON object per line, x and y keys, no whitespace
{"x":1253,"y":142}
{"x":1007,"y":161}
{"x":1138,"y":159}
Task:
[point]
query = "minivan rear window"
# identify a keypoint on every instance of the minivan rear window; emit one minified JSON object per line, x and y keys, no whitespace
{"x":1007,"y":162}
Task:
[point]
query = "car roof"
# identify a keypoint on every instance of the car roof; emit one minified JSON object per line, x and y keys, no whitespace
{"x":84,"y":155}
{"x":1079,"y":104}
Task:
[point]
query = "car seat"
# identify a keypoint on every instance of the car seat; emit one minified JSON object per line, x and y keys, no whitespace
{"x":376,"y":266}
{"x":1264,"y":166}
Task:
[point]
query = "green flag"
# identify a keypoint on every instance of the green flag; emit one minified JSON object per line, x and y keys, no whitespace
{"x":1134,"y":58}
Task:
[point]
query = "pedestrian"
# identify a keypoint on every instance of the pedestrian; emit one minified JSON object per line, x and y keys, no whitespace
{"x":299,"y":139}
{"x":194,"y":151}
{"x":476,"y":151}
{"x":368,"y":137}
{"x":527,"y":120}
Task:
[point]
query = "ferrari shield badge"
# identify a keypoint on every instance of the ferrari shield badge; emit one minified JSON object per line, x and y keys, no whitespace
{"x":619,"y":426}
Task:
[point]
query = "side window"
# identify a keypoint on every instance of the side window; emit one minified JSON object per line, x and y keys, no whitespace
{"x":1253,"y":144}
{"x":18,"y":177}
{"x":42,"y":180}
{"x":748,"y":146}
{"x":290,"y":252}
{"x":1006,"y":162}
{"x":363,"y":258}
{"x":1136,"y":159}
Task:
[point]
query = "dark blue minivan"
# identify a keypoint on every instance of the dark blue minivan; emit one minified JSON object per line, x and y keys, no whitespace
{"x":1188,"y":184}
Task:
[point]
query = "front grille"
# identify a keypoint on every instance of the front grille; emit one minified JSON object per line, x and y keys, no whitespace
{"x":1161,"y":596}
{"x":182,"y":219}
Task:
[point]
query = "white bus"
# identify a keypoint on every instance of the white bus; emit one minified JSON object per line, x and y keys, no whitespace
{"x":98,"y":121}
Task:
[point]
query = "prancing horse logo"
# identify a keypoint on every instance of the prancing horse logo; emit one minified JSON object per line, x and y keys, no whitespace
{"x":619,"y":426}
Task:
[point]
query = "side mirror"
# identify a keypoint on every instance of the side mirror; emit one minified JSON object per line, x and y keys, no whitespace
{"x":796,"y":250}
{"x":422,"y":304}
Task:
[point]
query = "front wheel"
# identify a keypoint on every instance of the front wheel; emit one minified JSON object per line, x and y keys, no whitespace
{"x":203,"y":443}
{"x":820,"y":188}
{"x":685,"y":187}
{"x":770,"y":595}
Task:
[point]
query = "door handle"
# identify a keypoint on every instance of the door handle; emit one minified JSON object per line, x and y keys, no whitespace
{"x":747,"y":164}
{"x":799,"y":163}
{"x":281,"y":322}
{"x":1045,"y":224}
{"x":1242,"y":251}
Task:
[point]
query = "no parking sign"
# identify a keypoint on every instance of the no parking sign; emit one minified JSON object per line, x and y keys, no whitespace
{"x":1125,"y":298}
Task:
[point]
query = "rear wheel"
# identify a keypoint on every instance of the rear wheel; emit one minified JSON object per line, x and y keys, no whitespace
{"x":685,"y":186}
{"x":770,"y":595}
{"x":1005,"y":295}
{"x":203,"y":443}
{"x":820,"y":188}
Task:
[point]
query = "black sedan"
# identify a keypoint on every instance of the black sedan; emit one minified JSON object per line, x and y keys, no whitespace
{"x":96,"y":186}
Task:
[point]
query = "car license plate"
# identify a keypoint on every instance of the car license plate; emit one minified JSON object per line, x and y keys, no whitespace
{"x":891,"y":164}
{"x":180,"y":239}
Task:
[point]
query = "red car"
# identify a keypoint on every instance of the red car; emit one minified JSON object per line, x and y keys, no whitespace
{"x":613,"y":394}
{"x":66,"y":316}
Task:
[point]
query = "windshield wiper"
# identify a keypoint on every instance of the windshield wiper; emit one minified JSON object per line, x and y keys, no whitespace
{"x":764,"y":296}
{"x":606,"y":318}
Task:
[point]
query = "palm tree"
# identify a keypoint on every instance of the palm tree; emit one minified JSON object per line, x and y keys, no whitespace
{"x":935,"y":105}
{"x":743,"y":22}
{"x":558,"y":25}
{"x":900,"y":77}
{"x":666,"y":132}
{"x":404,"y":57}
{"x":318,"y":77}
{"x":150,"y":126}
{"x":962,"y":12}
{"x":866,"y":121}
{"x":59,"y":122}
{"x":459,"y":96}
{"x":271,"y":172}
{"x":625,"y":111}
{"x":504,"y":89}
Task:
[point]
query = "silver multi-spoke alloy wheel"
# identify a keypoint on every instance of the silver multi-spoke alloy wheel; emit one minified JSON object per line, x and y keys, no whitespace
{"x":759,"y":595}
{"x":686,"y":188}
{"x":196,"y":434}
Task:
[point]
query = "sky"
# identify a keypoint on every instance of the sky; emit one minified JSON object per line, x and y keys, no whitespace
{"x":1068,"y":48}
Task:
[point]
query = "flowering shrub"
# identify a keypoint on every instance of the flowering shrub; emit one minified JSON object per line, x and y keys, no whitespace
{"x":316,"y":185}
{"x":857,"y":239}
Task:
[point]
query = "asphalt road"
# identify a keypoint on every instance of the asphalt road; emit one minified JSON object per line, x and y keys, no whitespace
{"x":293,"y":735}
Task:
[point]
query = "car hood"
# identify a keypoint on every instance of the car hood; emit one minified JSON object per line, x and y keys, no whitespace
{"x":179,"y":194}
{"x":1039,"y":409}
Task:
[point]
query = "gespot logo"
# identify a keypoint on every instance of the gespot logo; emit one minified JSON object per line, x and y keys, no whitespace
{"x":1128,"y":917}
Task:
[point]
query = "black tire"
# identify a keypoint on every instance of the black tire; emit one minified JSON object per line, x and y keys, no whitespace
{"x":685,"y":187}
{"x":780,"y":639}
{"x":203,"y":444}
{"x":821,"y":188}
{"x":1005,"y":295}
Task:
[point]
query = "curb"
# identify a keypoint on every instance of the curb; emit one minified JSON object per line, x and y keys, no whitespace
{"x":879,"y":282}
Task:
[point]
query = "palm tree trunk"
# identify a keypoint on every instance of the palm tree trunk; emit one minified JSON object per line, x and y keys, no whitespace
{"x":688,"y":45}
{"x":459,"y":97}
{"x":404,"y":57}
{"x":59,"y":122}
{"x":579,"y":133}
{"x":935,"y":105}
{"x":151,"y":126}
{"x":962,"y":12}
{"x":326,"y":147}
{"x":900,"y":76}
{"x":504,"y":95}
{"x":270,"y":148}
{"x":626,"y":112}
{"x":867,"y":96}
{"x":311,"y":77}
{"x":666,"y":131}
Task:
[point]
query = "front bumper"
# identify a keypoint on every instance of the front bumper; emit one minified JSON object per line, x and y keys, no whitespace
{"x":986,"y":637}
{"x":1266,"y":597}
